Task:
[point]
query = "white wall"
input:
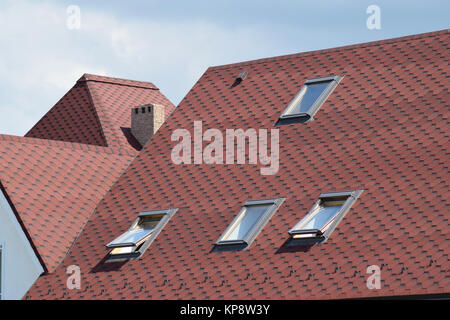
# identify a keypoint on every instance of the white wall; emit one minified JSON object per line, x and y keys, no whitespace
{"x":21,"y":267}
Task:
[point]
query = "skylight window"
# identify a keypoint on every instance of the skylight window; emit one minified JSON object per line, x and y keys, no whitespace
{"x":310,"y":97}
{"x":141,"y":233}
{"x":249,"y":222}
{"x":324,"y":216}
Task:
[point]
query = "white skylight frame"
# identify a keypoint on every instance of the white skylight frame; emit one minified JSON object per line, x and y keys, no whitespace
{"x":333,"y":82}
{"x":245,"y":242}
{"x":297,"y":232}
{"x":137,"y":248}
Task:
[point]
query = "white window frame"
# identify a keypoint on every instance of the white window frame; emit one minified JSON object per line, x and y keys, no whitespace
{"x":167,"y":214}
{"x":334,"y":81}
{"x":274,"y":204}
{"x":332,"y":223}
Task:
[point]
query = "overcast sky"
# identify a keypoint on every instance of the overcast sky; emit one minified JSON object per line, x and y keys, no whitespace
{"x":171,"y":43}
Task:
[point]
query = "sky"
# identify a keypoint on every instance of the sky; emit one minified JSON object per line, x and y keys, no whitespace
{"x":44,"y":50}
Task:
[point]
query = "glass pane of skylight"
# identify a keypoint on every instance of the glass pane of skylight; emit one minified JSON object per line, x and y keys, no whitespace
{"x":123,"y":250}
{"x":249,"y":217}
{"x":323,"y":214}
{"x":133,"y":236}
{"x":306,"y":97}
{"x":321,"y":218}
{"x":141,"y":231}
{"x":149,"y":222}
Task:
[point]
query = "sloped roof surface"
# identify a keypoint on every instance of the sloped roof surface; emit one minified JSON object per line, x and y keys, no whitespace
{"x":97,"y":111}
{"x":385,"y":129}
{"x":54,"y":186}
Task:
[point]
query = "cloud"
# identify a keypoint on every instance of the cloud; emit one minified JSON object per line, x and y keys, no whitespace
{"x":38,"y":62}
{"x":168,"y":44}
{"x":43,"y":59}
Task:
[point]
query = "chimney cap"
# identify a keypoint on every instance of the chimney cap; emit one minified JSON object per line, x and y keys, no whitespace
{"x":143,"y":108}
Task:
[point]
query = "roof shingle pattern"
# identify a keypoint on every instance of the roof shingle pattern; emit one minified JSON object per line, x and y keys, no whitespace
{"x":55,"y":176}
{"x":97,"y":111}
{"x":54,"y":186}
{"x":384,"y":129}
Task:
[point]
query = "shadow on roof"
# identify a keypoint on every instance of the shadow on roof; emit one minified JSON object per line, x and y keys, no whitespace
{"x":298,"y":245}
{"x":131,"y":139}
{"x":106,"y":265}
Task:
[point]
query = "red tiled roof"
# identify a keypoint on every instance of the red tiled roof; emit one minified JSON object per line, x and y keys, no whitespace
{"x":54,"y":187}
{"x":384,"y":129}
{"x":97,"y":111}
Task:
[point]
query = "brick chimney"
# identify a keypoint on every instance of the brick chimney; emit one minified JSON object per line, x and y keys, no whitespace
{"x":145,"y":121}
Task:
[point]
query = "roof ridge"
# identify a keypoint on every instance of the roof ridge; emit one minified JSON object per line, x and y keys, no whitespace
{"x":102,"y":115}
{"x":64,"y":144}
{"x":335,"y":49}
{"x":117,"y":81}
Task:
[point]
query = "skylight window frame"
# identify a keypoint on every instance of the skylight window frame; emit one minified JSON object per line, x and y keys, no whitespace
{"x":143,"y":246}
{"x":334,"y":81}
{"x":325,"y":232}
{"x":245,"y":243}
